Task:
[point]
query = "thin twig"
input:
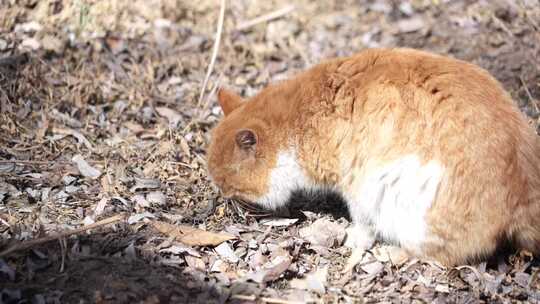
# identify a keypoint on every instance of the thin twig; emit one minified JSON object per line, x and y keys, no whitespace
{"x":300,"y":51}
{"x":32,"y":162}
{"x":526,"y":12}
{"x":531,"y":98}
{"x":63,"y":253}
{"x":43,"y":162}
{"x":212,"y":93}
{"x":214,"y":52}
{"x":2,"y":221}
{"x":265,"y":299}
{"x":265,"y":18}
{"x":250,"y":208}
{"x":31,"y":243}
{"x":503,"y":26}
{"x":180,"y":164}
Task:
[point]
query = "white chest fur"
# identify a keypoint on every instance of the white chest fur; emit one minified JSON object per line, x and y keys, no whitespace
{"x":286,"y":177}
{"x":394,"y":198}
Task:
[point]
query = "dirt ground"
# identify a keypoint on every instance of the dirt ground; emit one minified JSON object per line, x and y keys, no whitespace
{"x":101,"y":115}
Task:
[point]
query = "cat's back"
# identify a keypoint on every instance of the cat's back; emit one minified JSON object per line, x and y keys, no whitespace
{"x":441,"y":77}
{"x":429,"y":95}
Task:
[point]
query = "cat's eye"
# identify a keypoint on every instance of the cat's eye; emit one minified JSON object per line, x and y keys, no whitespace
{"x":246,"y":139}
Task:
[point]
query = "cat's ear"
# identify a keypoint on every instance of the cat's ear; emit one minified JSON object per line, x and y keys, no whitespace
{"x":246,"y":139}
{"x":228,"y":100}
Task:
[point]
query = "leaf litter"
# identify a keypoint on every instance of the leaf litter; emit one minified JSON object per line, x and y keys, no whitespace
{"x":100,"y":116}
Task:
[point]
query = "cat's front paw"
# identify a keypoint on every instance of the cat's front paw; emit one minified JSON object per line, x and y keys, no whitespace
{"x":390,"y":253}
{"x":359,"y":237}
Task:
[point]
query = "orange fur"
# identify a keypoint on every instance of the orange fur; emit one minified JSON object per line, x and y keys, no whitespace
{"x":346,"y":114}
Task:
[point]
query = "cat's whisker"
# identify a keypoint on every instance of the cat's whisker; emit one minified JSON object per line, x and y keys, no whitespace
{"x":251,"y":209}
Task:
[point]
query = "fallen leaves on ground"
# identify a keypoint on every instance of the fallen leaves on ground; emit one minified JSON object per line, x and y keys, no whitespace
{"x":116,"y":86}
{"x":191,"y":236}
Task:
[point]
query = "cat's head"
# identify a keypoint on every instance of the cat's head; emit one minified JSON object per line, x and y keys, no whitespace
{"x":243,"y":149}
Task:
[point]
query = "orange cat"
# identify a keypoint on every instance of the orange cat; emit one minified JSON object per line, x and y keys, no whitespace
{"x":429,"y":152}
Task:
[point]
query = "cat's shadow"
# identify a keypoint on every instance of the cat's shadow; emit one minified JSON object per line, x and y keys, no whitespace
{"x":324,"y":202}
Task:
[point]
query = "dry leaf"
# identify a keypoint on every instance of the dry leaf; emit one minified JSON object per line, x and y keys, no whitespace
{"x":52,"y":43}
{"x":156,"y":197}
{"x":279,"y":222}
{"x":355,"y":258}
{"x":179,"y":248}
{"x":106,"y":184}
{"x":371,"y":267}
{"x":442,"y":288}
{"x":172,"y":116}
{"x":314,"y":281}
{"x":165,"y":147}
{"x":219,"y":266}
{"x":388,"y":253}
{"x":137,"y":217}
{"x":100,"y":206}
{"x":191,"y":236}
{"x":88,"y":221}
{"x":145,"y":183}
{"x":31,"y":26}
{"x":410,"y":25}
{"x":185,"y":147}
{"x":226,"y":252}
{"x":85,"y":168}
{"x":195,"y":262}
{"x":272,"y":270}
{"x":78,"y":135}
{"x":140,"y":201}
{"x":134,"y":127}
{"x":324,"y":232}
